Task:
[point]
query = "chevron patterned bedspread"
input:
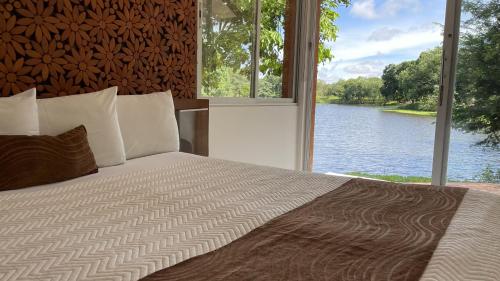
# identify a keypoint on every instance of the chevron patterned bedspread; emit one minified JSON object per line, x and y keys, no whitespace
{"x":129,"y":225}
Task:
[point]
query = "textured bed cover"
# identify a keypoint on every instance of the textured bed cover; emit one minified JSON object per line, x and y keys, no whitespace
{"x":130,"y":221}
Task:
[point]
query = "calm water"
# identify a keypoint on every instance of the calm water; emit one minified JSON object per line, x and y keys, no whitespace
{"x":365,"y":139}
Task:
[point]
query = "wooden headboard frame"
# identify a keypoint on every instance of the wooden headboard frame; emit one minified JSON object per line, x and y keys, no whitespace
{"x":65,"y":47}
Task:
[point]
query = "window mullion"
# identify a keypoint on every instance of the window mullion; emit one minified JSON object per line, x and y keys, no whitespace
{"x":256,"y":52}
{"x":447,"y":89}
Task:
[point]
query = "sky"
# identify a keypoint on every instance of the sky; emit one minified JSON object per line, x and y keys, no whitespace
{"x":375,"y":33}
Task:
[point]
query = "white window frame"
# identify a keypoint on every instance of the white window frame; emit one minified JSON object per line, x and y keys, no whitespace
{"x":304,"y":51}
{"x":447,"y":89}
{"x":445,"y":104}
{"x":253,"y":98}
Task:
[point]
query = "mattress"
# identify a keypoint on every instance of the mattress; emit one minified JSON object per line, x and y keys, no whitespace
{"x":152,"y":213}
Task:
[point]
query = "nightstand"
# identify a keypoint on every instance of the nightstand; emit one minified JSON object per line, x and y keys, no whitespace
{"x":192,"y":119}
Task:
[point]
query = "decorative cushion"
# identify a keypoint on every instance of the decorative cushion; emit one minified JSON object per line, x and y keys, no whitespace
{"x":19,"y":114}
{"x":148,"y":124}
{"x":35,"y":160}
{"x":97,"y":112}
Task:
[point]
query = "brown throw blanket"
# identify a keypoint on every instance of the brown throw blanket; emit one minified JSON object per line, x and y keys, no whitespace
{"x":364,"y":230}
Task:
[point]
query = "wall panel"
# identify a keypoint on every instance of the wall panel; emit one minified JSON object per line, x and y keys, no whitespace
{"x":66,"y":47}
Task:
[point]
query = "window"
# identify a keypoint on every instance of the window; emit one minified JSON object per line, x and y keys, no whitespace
{"x":410,"y":106}
{"x":271,"y":46}
{"x":376,"y":98}
{"x":475,"y":137}
{"x":243,"y":48}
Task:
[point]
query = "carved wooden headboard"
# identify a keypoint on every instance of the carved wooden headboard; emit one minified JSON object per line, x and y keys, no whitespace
{"x":68,"y":47}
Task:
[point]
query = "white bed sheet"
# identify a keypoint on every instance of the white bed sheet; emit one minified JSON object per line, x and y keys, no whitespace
{"x":130,"y":221}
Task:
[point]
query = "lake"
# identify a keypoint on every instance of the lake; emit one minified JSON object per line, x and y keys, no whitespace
{"x":365,"y":139}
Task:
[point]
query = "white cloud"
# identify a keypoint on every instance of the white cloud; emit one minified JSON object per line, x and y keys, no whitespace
{"x":367,"y":9}
{"x":357,"y":47}
{"x":351,"y":69}
{"x":364,"y":9}
{"x":384,"y":33}
{"x":366,"y":68}
{"x":356,"y":55}
{"x":392,"y":7}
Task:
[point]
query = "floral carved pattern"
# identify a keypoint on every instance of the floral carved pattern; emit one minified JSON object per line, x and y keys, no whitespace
{"x":66,"y":47}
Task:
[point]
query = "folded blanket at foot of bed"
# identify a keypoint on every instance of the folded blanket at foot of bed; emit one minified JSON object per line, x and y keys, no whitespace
{"x":363,"y":230}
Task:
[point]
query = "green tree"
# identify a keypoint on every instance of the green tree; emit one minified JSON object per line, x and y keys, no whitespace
{"x":322,"y":88}
{"x":391,"y":89}
{"x":390,"y":84}
{"x":420,"y":79}
{"x":270,"y":86}
{"x":328,"y":29}
{"x":228,"y":37}
{"x":361,"y":90}
{"x":415,"y":81}
{"x":477,"y":98}
{"x":337,"y":89}
{"x":230,"y":84}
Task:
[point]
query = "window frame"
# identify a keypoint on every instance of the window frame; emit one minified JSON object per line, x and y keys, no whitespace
{"x":290,"y":97}
{"x":297,"y":84}
{"x":451,"y":37}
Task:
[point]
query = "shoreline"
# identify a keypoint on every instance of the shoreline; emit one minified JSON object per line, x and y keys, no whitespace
{"x":484,"y":186}
{"x":411,"y":112}
{"x":385,"y":108}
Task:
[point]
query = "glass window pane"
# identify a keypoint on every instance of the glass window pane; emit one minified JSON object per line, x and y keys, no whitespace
{"x":378,"y":83}
{"x":474,"y":145}
{"x":271,"y":49}
{"x":227,"y":32}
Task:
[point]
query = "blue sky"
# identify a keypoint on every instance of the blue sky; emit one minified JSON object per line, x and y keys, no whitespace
{"x":375,"y":33}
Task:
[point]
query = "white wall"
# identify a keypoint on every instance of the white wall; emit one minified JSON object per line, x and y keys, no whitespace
{"x":257,"y":134}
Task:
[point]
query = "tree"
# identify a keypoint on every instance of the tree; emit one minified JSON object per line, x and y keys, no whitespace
{"x":390,"y":83}
{"x":336,"y":89}
{"x":322,"y":88}
{"x":328,"y":29}
{"x":228,"y":37}
{"x":415,"y":81}
{"x":420,"y":79}
{"x":230,"y":84}
{"x":272,"y":32}
{"x":361,"y":90}
{"x":477,"y":97}
{"x":391,"y":89}
{"x":226,"y":40}
{"x":270,"y":86}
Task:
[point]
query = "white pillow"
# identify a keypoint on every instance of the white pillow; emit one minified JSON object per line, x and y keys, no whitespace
{"x":19,"y":114}
{"x":148,"y":124}
{"x":97,"y":112}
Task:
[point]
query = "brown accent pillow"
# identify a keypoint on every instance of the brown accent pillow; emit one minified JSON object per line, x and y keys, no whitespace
{"x":34,"y":160}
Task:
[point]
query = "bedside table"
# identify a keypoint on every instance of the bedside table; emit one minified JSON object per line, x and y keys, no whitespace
{"x":192,"y":119}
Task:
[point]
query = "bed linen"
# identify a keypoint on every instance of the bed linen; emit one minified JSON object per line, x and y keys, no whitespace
{"x":129,"y":222}
{"x":363,"y":230}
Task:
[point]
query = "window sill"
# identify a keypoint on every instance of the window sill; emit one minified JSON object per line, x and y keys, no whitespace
{"x":228,"y":101}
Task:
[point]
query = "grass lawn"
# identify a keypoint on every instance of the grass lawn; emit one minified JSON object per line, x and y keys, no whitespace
{"x":327,"y":99}
{"x":393,"y":178}
{"x":412,"y":112}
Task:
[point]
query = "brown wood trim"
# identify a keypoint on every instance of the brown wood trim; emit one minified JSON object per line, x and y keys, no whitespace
{"x":193,"y":121}
{"x":289,"y":46}
{"x":313,"y":93}
{"x":201,"y":135}
{"x":186,"y":104}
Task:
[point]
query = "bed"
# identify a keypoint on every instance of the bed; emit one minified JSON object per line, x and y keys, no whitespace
{"x":177,"y":216}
